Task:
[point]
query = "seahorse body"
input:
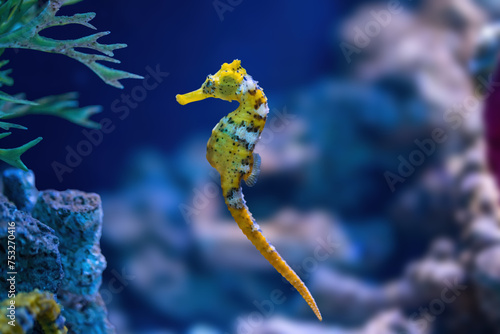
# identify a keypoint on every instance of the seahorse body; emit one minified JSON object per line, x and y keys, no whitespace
{"x":230,"y":152}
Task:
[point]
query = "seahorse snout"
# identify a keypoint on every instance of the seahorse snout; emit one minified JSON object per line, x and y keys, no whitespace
{"x":193,"y":96}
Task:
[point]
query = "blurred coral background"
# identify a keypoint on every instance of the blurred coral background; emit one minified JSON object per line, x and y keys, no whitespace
{"x":378,"y":164}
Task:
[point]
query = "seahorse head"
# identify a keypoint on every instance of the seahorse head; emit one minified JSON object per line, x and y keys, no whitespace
{"x":225,"y":85}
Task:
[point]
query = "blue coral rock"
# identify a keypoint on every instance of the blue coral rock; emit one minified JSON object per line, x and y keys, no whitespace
{"x":487,"y":283}
{"x":19,"y":188}
{"x":77,"y":219}
{"x":38,"y":262}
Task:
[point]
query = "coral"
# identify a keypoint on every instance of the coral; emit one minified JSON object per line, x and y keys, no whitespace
{"x":85,"y":314}
{"x":388,"y":322}
{"x":30,"y":307}
{"x":67,"y":261}
{"x":38,"y":262}
{"x":19,"y":188}
{"x":21,"y":23}
{"x":487,"y":280}
{"x":77,"y":219}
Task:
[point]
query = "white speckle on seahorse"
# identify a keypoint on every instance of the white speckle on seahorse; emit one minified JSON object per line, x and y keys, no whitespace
{"x":263,"y":110}
{"x":255,"y":227}
{"x":249,"y":137}
{"x":246,"y":85}
{"x":245,"y":168}
{"x":236,"y":201}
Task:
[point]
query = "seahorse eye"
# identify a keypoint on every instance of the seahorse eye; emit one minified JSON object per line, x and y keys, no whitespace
{"x":210,"y":81}
{"x":209,"y":85}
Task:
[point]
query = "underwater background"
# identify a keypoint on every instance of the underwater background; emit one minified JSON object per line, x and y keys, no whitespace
{"x":378,"y":164}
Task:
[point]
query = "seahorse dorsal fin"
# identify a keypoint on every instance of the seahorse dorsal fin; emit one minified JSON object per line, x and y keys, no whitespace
{"x":252,"y":179}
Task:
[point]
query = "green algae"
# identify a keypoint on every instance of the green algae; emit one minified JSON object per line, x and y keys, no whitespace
{"x":21,"y":22}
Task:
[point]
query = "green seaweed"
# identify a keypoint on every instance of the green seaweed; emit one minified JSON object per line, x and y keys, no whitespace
{"x":21,"y":22}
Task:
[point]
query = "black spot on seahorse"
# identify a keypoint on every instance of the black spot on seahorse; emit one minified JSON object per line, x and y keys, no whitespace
{"x":258,"y":103}
{"x":252,"y":127}
{"x":209,"y":87}
{"x":243,"y":142}
{"x":231,"y":192}
{"x":234,"y":198}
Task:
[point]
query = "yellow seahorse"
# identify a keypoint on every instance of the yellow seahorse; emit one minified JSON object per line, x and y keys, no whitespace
{"x":230,"y":152}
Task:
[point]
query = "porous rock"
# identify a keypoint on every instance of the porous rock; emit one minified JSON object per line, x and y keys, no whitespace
{"x":37,"y":258}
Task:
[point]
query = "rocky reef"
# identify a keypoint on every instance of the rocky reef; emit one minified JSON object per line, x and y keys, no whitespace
{"x":57,"y":236}
{"x":38,"y":261}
